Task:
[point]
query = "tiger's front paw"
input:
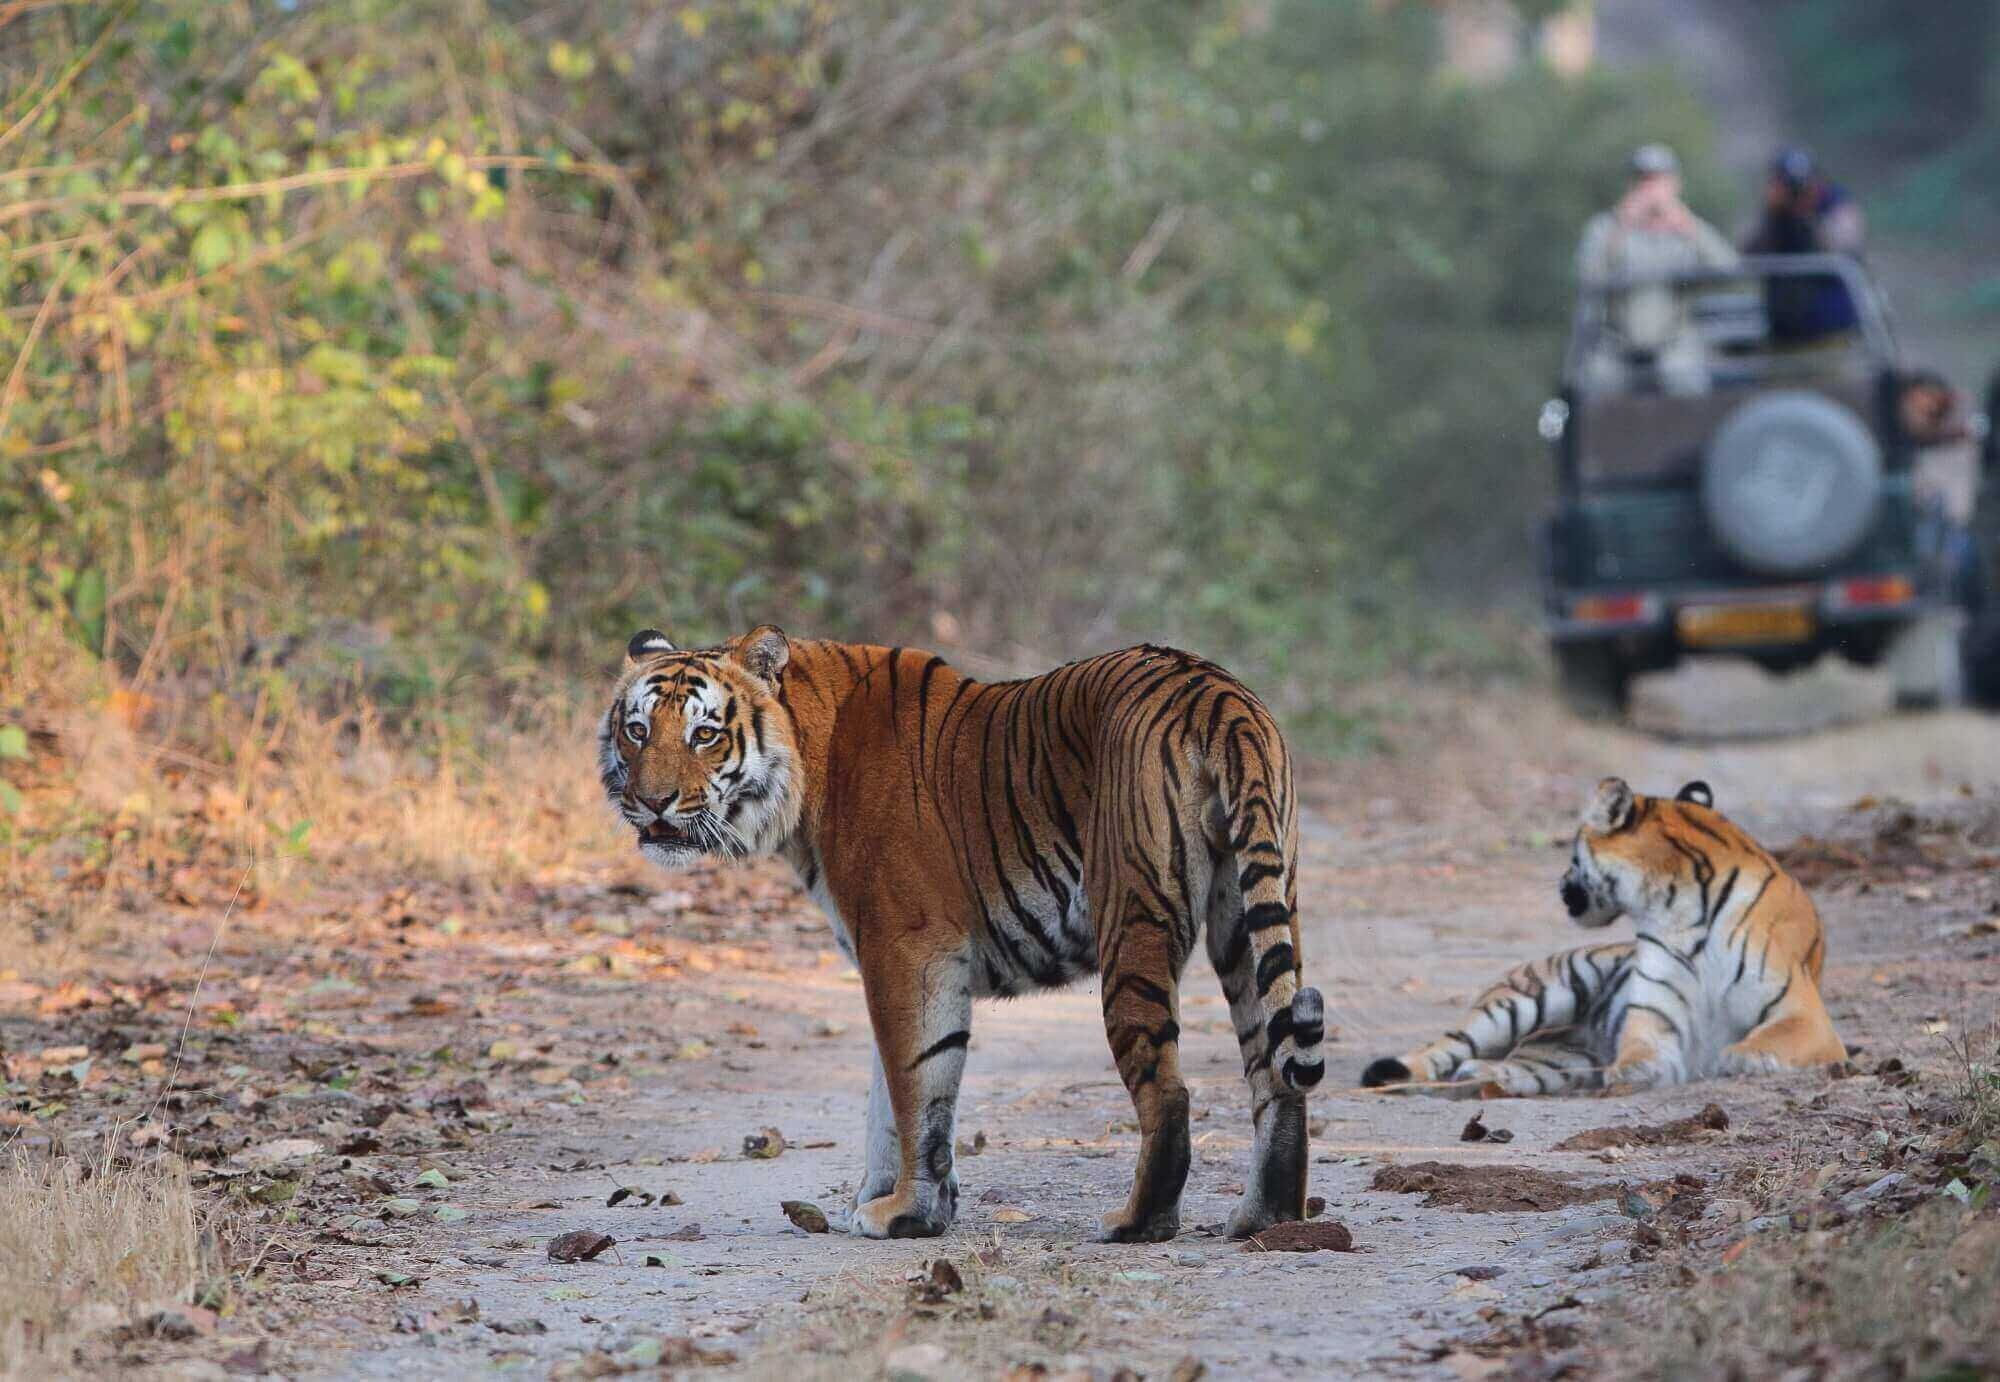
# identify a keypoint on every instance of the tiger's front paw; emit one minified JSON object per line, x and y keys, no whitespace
{"x":874,"y":1185}
{"x":1495,"y":1077}
{"x":1746,"y":1060}
{"x":925,"y":1210}
{"x":1630,"y":1077}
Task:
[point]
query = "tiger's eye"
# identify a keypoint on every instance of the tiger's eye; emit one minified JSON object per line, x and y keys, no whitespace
{"x":636,"y":731}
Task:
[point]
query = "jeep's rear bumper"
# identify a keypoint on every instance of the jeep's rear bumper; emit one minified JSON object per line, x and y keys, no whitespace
{"x":1701,"y":618}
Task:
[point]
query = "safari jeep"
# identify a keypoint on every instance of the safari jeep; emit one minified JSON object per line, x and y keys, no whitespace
{"x":1764,"y":508}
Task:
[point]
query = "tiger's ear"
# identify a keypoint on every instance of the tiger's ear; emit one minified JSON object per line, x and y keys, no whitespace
{"x":1697,"y":792}
{"x":765,"y":651}
{"x":645,"y":643}
{"x":1610,"y":806}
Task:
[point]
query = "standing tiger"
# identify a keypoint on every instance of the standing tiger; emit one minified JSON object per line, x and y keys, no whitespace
{"x":1723,"y":978}
{"x":973,"y":839}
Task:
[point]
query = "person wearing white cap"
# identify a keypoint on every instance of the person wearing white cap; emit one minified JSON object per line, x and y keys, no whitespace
{"x":1649,"y":235}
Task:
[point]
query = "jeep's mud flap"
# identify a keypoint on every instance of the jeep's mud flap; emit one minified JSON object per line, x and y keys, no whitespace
{"x":1924,"y":661}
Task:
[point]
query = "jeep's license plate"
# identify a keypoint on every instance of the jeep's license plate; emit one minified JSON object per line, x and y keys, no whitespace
{"x":1723,"y":626}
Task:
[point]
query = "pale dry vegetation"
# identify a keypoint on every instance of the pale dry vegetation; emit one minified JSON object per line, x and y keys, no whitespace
{"x":1907,"y":1288}
{"x":86,"y":1247}
{"x":167,"y":788}
{"x":1914,"y":1297}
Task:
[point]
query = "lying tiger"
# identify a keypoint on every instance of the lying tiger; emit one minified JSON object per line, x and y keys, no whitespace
{"x":975,"y":839}
{"x":1723,"y":978}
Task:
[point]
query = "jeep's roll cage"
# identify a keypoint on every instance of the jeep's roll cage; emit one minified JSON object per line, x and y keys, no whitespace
{"x":1735,"y":328}
{"x":1721,"y":325}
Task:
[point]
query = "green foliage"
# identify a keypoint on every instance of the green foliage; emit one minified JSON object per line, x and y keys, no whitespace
{"x":1923,"y":98}
{"x":424,"y":339}
{"x":1380,"y":280}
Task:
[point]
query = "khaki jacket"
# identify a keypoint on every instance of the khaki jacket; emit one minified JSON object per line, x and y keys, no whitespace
{"x":1648,"y":318}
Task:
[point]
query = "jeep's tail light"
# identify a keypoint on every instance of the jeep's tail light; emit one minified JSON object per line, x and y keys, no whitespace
{"x":1872,"y":592}
{"x":1614,"y":609}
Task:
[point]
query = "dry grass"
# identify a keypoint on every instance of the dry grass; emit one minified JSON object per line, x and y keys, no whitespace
{"x":83,"y":1247}
{"x":1914,"y":1297}
{"x":156,"y":791}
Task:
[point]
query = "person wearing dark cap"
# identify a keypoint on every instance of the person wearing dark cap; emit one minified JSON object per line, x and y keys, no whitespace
{"x":1804,"y":213}
{"x":1638,"y":246}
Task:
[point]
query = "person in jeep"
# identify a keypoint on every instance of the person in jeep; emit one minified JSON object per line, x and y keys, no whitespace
{"x":1649,"y":234}
{"x":1806,"y":213}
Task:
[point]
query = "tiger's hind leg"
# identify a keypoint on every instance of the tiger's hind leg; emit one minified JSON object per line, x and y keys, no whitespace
{"x":1538,"y":1067}
{"x":1275,"y":1190}
{"x":1140,"y":957}
{"x":1534,"y":1001}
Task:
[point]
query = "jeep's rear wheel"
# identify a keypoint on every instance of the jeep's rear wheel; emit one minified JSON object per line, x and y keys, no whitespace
{"x":1594,"y":679}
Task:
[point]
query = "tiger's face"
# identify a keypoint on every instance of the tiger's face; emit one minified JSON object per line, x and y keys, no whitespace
{"x":1624,"y":859}
{"x":696,"y":753}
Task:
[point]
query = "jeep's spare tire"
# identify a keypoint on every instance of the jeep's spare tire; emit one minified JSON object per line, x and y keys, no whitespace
{"x":1791,"y":482}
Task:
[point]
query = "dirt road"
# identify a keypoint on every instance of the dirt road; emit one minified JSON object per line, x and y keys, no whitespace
{"x":646,"y":1025}
{"x":406,"y":1089}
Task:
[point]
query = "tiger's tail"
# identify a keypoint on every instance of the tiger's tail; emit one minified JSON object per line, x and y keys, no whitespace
{"x":1253,"y":777}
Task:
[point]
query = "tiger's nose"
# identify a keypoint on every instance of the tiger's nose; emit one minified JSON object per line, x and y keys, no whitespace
{"x":657,"y":807}
{"x":1574,"y":897}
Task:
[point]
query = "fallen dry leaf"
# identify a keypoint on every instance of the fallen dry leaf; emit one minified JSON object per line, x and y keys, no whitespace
{"x":764,"y":1145}
{"x":579,"y":1245}
{"x":943,"y":1279}
{"x":809,"y":1217}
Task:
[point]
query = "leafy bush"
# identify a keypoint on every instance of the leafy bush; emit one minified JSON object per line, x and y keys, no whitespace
{"x":450,"y":340}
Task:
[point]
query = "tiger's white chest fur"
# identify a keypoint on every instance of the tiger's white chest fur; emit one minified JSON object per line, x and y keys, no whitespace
{"x":1704,"y":978}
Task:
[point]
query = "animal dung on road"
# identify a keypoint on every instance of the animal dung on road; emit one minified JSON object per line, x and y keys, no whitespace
{"x":1693,"y":1129}
{"x":1488,"y":1189}
{"x":1324,"y":1236}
